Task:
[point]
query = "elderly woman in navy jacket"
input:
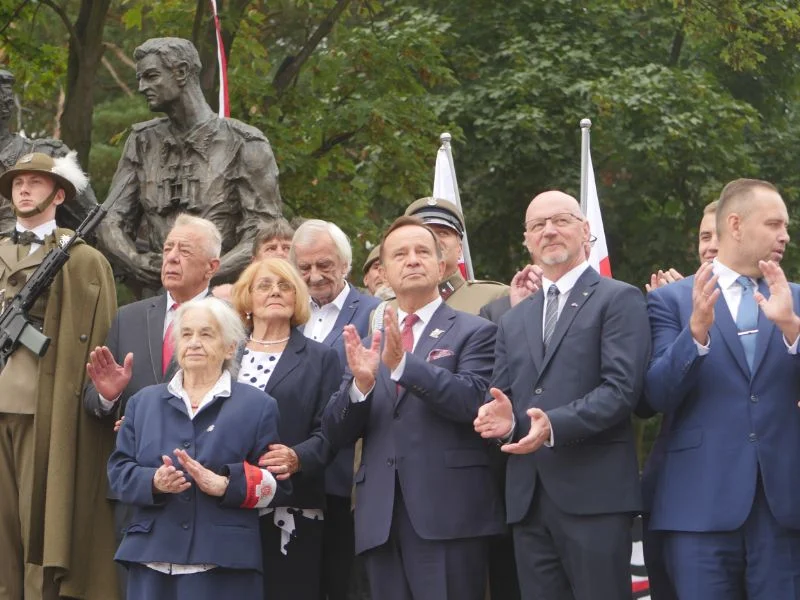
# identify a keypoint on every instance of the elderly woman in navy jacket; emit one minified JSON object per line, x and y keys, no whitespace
{"x":301,"y":375}
{"x":186,"y":458}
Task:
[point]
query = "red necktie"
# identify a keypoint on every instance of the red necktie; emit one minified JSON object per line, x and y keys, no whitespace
{"x":168,"y":346}
{"x":407,"y":338}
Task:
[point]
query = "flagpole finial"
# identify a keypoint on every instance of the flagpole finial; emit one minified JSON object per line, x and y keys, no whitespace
{"x":586,"y":123}
{"x":445,"y":138}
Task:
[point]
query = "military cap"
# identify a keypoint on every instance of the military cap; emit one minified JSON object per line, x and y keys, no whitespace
{"x":437,"y":211}
{"x":374,"y":254}
{"x":64,"y":170}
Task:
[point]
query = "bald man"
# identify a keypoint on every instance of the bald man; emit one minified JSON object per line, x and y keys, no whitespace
{"x":569,"y":369}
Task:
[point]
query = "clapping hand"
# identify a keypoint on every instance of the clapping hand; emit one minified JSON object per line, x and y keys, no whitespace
{"x":495,"y":418}
{"x":779,"y":307}
{"x":363,"y":362}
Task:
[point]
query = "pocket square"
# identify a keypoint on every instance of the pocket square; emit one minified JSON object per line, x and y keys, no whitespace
{"x":438,"y":353}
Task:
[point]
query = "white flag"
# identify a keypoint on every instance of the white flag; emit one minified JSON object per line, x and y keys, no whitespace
{"x":598,"y":259}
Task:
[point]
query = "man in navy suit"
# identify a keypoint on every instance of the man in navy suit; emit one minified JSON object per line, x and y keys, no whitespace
{"x":569,"y":368}
{"x":322,"y":254}
{"x":425,"y":499}
{"x":725,"y":373}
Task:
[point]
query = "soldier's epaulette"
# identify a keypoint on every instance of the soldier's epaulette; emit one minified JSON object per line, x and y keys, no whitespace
{"x":248,"y":132}
{"x":137,"y":127}
{"x":486,"y":281}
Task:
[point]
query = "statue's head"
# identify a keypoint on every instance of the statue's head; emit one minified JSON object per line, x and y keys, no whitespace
{"x":166,"y":68}
{"x":6,"y":96}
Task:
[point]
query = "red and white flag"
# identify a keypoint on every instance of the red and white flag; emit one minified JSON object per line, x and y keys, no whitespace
{"x":222,"y":63}
{"x":598,"y":259}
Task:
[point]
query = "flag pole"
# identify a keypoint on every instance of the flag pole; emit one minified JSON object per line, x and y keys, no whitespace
{"x":586,"y":125}
{"x":445,"y":138}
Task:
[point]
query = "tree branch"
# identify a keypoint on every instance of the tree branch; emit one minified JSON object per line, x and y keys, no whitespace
{"x":287,"y":74}
{"x":330,"y":144}
{"x":73,"y":34}
{"x":120,"y":54}
{"x":14,"y":16}
{"x":110,"y":68}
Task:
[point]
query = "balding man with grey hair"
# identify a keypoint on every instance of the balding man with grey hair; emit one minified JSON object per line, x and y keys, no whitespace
{"x":321,"y":252}
{"x":138,"y":349}
{"x":569,"y":369}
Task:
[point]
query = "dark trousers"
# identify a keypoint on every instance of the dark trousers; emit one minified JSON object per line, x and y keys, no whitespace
{"x":758,"y":561}
{"x":338,"y":548}
{"x":408,"y":567}
{"x":653,"y":549}
{"x":296,"y":574}
{"x":145,"y":583}
{"x":503,"y":581}
{"x":561,"y":556}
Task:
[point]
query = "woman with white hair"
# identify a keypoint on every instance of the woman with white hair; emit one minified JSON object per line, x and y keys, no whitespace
{"x":186,"y":458}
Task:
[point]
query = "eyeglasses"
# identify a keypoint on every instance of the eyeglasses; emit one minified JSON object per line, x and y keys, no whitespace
{"x":265,"y":286}
{"x":592,"y":240}
{"x":559,"y":221}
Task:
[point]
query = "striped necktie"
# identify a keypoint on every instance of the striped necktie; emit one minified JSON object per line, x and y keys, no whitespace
{"x":550,"y":314}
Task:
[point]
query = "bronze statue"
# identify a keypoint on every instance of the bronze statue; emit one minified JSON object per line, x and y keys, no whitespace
{"x":14,"y":146}
{"x":190,"y":161}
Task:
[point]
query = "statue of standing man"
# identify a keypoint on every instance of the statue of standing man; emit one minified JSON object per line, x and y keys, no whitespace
{"x":190,"y":161}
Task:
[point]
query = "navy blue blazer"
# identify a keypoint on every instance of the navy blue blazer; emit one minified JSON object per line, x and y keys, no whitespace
{"x":305,"y":377}
{"x":588,"y":382}
{"x":725,"y":426}
{"x":424,"y":437}
{"x":192,"y":527}
{"x":356,"y":311}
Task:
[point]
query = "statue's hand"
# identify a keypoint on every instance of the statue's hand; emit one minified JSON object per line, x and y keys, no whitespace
{"x":147,"y":268}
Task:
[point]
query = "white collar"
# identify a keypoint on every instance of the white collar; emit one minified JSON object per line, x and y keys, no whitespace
{"x":425,"y":313}
{"x":338,"y":302}
{"x":40,"y":231}
{"x":171,"y":300}
{"x":567,"y":281}
{"x":221,"y":389}
{"x":727,"y":276}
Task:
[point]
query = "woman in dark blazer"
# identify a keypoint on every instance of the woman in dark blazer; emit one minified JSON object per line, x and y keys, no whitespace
{"x":301,"y":375}
{"x":186,"y":458}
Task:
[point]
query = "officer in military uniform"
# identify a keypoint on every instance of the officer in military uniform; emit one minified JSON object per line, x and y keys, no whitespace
{"x":374,"y":278}
{"x":448,"y":223}
{"x":56,"y":527}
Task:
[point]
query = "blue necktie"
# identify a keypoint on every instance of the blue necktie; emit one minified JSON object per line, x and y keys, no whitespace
{"x":747,"y":319}
{"x":550,"y":314}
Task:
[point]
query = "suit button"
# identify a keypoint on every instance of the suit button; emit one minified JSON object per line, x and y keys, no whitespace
{"x":752,"y":437}
{"x":184,"y":526}
{"x":187,"y":444}
{"x":83,"y":337}
{"x":753,"y":398}
{"x":390,"y":462}
{"x":537,"y":391}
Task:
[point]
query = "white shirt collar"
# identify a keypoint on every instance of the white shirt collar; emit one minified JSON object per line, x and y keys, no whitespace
{"x":171,"y":300}
{"x":338,"y":302}
{"x":727,"y":276}
{"x":567,"y":280}
{"x":221,"y":389}
{"x":425,"y":313}
{"x":42,"y":230}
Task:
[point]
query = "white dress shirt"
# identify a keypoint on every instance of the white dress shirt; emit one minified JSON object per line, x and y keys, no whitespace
{"x":323,"y":318}
{"x":425,"y":314}
{"x":40,"y":231}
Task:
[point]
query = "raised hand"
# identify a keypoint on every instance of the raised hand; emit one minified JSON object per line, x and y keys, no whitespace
{"x":495,"y":418}
{"x":525,"y":282}
{"x":537,"y":436}
{"x":168,"y":479}
{"x":208,"y":481}
{"x":779,"y":307}
{"x":363,"y":362}
{"x":109,"y":378}
{"x":662,"y":278}
{"x":281,"y":461}
{"x":704,"y":295}
{"x":393,"y":342}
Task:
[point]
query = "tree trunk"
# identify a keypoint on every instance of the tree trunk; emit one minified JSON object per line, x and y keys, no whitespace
{"x":85,"y":55}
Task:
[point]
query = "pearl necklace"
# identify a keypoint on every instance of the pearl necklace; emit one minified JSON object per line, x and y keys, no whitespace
{"x":269,"y":342}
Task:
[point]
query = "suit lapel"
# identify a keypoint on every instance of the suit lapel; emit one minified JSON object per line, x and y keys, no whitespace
{"x":441,"y":320}
{"x":726,"y":327}
{"x":533,"y":328}
{"x":580,"y":293}
{"x":345,"y":316}
{"x":765,"y":330}
{"x":8,"y":254}
{"x":289,"y":360}
{"x":156,"y":313}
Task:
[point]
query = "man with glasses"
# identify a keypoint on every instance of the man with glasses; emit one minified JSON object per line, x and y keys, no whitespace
{"x":569,"y":370}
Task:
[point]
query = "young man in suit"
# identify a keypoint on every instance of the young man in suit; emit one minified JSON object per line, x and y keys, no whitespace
{"x":569,"y":370}
{"x":425,"y":499}
{"x":323,"y":256}
{"x":724,"y":373}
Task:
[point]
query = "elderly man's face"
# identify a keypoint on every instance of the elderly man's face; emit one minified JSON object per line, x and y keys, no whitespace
{"x":200,"y":346}
{"x":157,"y":83}
{"x":410,"y":261}
{"x":322,"y":269}
{"x":374,"y":277}
{"x":186,"y":266}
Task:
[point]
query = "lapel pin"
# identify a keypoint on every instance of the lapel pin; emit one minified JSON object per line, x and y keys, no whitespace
{"x":436,"y":333}
{"x":574,"y":305}
{"x":210,"y":428}
{"x":585,"y":293}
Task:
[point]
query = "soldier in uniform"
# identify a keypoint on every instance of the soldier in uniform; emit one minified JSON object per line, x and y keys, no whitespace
{"x":56,"y":528}
{"x":374,"y":276}
{"x":447,"y":221}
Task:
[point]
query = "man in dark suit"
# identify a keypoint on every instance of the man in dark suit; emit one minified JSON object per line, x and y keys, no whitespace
{"x":323,"y":256}
{"x":425,"y":499}
{"x":569,"y":369}
{"x":133,"y":355}
{"x":724,"y":373}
